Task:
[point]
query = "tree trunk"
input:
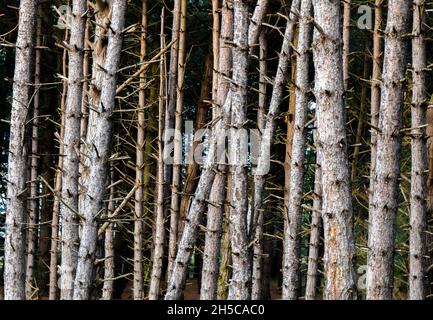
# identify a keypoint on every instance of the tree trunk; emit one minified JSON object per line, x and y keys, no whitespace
{"x":418,"y":222}
{"x":99,"y":154}
{"x":238,"y":150}
{"x":292,"y":243}
{"x":58,"y":188}
{"x":139,"y":170}
{"x":337,"y":200}
{"x":71,"y":143}
{"x":158,"y":251}
{"x":14,"y":272}
{"x":375,"y":93}
{"x":177,"y":166}
{"x":107,"y":288}
{"x":33,"y":201}
{"x":257,"y":273}
{"x":387,"y":172}
{"x":313,"y":254}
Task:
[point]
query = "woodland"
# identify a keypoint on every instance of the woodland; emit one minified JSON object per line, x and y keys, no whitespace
{"x":216,"y":150}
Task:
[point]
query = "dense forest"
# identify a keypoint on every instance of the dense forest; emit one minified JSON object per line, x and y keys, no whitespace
{"x":216,"y":149}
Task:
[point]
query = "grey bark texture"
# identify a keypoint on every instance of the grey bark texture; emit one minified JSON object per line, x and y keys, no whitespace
{"x":14,"y":263}
{"x":316,"y":221}
{"x":292,"y":255}
{"x":384,"y":204}
{"x":99,"y":155}
{"x":337,"y":211}
{"x":418,"y":194}
{"x":71,"y":143}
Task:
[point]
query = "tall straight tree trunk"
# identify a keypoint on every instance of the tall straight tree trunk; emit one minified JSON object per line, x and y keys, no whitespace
{"x":418,"y":222}
{"x":337,"y":201}
{"x":71,"y":143}
{"x":139,"y":170}
{"x":107,"y":288}
{"x":218,"y":193}
{"x":33,"y":201}
{"x":241,"y":277}
{"x":292,"y":255}
{"x":257,"y":273}
{"x":14,"y":263}
{"x":316,"y":219}
{"x":375,"y":93}
{"x":58,"y":187}
{"x":384,"y":205}
{"x":99,"y":155}
{"x":177,"y":166}
{"x":158,"y":251}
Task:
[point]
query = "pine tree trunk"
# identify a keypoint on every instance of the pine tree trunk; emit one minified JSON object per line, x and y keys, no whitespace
{"x":159,"y":228}
{"x":375,"y":94}
{"x":107,"y":288}
{"x":418,"y":222}
{"x":177,"y":166}
{"x":58,"y":188}
{"x":313,"y":254}
{"x":238,"y":150}
{"x":71,"y":143}
{"x":14,"y":263}
{"x":337,"y":201}
{"x":33,"y":201}
{"x":257,"y":273}
{"x":384,"y":205}
{"x":292,"y":255}
{"x":139,"y":170}
{"x":99,"y":155}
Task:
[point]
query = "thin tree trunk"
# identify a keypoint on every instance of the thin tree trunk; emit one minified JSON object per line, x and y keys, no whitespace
{"x":139,"y":170}
{"x":33,"y":201}
{"x":375,"y":94}
{"x":313,"y":254}
{"x":383,"y":212}
{"x":107,"y":288}
{"x":71,"y":143}
{"x":257,"y":273}
{"x":292,"y":243}
{"x":418,"y":222}
{"x":99,"y":155}
{"x":337,"y":211}
{"x":177,"y":166}
{"x":158,"y":251}
{"x":14,"y":264}
{"x":58,"y":188}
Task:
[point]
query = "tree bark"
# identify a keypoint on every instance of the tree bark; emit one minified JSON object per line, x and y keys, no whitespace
{"x":337,"y":211}
{"x":71,"y":143}
{"x":177,"y":166}
{"x":158,"y":251}
{"x":99,"y":155}
{"x":313,"y":254}
{"x":292,"y":256}
{"x":33,"y":201}
{"x":107,"y":288}
{"x":14,"y":272}
{"x":383,"y":211}
{"x":139,"y":170}
{"x":418,"y":222}
{"x":238,"y":150}
{"x":375,"y":93}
